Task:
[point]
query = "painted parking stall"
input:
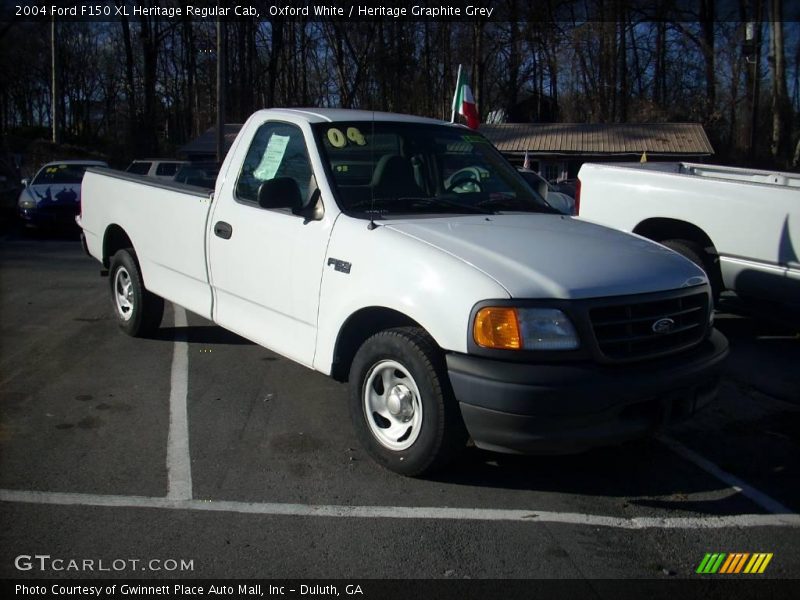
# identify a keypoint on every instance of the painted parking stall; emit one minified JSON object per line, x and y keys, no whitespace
{"x":264,"y":478}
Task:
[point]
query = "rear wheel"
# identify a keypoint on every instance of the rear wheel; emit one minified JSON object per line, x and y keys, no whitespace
{"x":695,"y":253}
{"x":401,"y":403}
{"x":138,"y":311}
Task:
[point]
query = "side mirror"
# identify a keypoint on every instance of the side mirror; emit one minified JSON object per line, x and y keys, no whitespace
{"x":281,"y":192}
{"x":314,"y":210}
{"x":25,"y":182}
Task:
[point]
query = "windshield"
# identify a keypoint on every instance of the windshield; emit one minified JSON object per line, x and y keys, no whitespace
{"x":55,"y":174}
{"x":381,"y":169}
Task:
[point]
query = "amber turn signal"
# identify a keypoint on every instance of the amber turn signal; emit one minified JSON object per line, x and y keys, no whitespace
{"x":497,"y":327}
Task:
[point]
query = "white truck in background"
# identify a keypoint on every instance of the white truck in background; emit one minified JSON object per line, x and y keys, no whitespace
{"x":408,"y":257}
{"x":742,"y":226}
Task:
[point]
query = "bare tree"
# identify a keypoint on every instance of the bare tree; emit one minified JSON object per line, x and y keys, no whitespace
{"x":152,"y":85}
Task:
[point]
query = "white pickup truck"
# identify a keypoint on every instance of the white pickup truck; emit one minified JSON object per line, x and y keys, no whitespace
{"x":742,"y":226}
{"x":363,"y":245}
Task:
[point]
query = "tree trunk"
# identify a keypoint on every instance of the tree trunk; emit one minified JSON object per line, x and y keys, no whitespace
{"x":150,"y":43}
{"x":514,"y":59}
{"x":707,"y":11}
{"x":478,"y":66}
{"x":622,"y":77}
{"x":190,"y":66}
{"x":754,"y":83}
{"x":779,"y":96}
{"x":276,"y":47}
{"x":54,"y":90}
{"x":130,"y":84}
{"x":660,"y":77}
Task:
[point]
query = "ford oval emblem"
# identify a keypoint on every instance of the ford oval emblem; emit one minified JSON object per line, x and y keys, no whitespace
{"x":664,"y":325}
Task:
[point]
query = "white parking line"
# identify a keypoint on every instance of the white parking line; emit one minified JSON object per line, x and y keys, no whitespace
{"x":179,"y":468}
{"x":747,"y":490}
{"x":398,"y":512}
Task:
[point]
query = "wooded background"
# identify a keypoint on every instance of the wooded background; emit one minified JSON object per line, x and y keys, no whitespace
{"x":142,"y":86}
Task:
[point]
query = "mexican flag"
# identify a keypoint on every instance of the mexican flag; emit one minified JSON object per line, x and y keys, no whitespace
{"x":464,"y":102}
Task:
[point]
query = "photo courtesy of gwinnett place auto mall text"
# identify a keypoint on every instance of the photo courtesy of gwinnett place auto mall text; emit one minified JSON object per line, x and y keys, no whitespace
{"x":460,"y":300}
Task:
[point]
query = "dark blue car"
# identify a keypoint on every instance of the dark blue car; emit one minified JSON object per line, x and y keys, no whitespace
{"x":53,"y":198}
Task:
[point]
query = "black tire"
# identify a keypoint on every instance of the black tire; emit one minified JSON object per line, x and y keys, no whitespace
{"x":138,"y":311}
{"x":424,"y":430}
{"x":695,"y":253}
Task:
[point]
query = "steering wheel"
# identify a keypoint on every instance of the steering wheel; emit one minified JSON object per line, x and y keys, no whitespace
{"x":459,"y":179}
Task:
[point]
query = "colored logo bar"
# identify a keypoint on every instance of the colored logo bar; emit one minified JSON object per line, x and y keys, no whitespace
{"x":734,"y":563}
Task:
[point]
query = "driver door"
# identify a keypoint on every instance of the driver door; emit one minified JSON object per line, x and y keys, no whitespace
{"x":266,"y":264}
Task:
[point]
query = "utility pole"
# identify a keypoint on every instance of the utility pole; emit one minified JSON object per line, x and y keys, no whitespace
{"x":221,"y":34}
{"x":54,"y":113}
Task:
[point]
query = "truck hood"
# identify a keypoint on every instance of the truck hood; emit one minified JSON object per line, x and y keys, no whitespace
{"x":553,"y":256}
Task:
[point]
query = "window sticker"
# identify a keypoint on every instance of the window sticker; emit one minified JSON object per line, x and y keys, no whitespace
{"x":273,"y":155}
{"x":355,"y":136}
{"x":474,"y":139}
{"x":336,"y":138}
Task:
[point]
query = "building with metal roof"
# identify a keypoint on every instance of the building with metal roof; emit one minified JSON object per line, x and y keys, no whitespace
{"x":556,"y":150}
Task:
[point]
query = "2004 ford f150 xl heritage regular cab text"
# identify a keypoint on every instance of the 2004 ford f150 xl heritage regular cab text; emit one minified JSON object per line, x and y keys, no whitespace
{"x":406,"y":256}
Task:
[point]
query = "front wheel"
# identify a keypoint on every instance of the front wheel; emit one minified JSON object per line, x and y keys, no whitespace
{"x":401,"y":403}
{"x":138,"y":311}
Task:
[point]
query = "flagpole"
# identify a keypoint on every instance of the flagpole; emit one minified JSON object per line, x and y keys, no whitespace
{"x":455,"y":96}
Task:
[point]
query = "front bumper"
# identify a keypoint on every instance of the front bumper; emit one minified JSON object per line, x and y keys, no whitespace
{"x":55,"y":216}
{"x":568,"y":407}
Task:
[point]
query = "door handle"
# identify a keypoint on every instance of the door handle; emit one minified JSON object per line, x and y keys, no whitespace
{"x":223,"y":230}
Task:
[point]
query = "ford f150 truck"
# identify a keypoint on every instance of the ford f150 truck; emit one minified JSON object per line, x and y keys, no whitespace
{"x":363,"y":245}
{"x":742,"y":226}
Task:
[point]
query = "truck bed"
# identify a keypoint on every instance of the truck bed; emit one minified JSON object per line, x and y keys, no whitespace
{"x":168,"y":221}
{"x":165,"y":184}
{"x":772,"y":178}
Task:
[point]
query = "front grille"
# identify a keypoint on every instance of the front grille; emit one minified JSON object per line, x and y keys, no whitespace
{"x":637,"y":330}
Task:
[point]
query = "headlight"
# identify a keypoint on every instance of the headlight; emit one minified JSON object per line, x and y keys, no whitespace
{"x":26,"y":202}
{"x":507,"y":328}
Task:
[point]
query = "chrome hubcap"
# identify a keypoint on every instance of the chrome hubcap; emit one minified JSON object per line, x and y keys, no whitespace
{"x":392,"y":405}
{"x":123,"y":293}
{"x":399,"y":403}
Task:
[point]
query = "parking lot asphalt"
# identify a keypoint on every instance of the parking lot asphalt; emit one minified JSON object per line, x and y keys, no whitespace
{"x":200,"y":446}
